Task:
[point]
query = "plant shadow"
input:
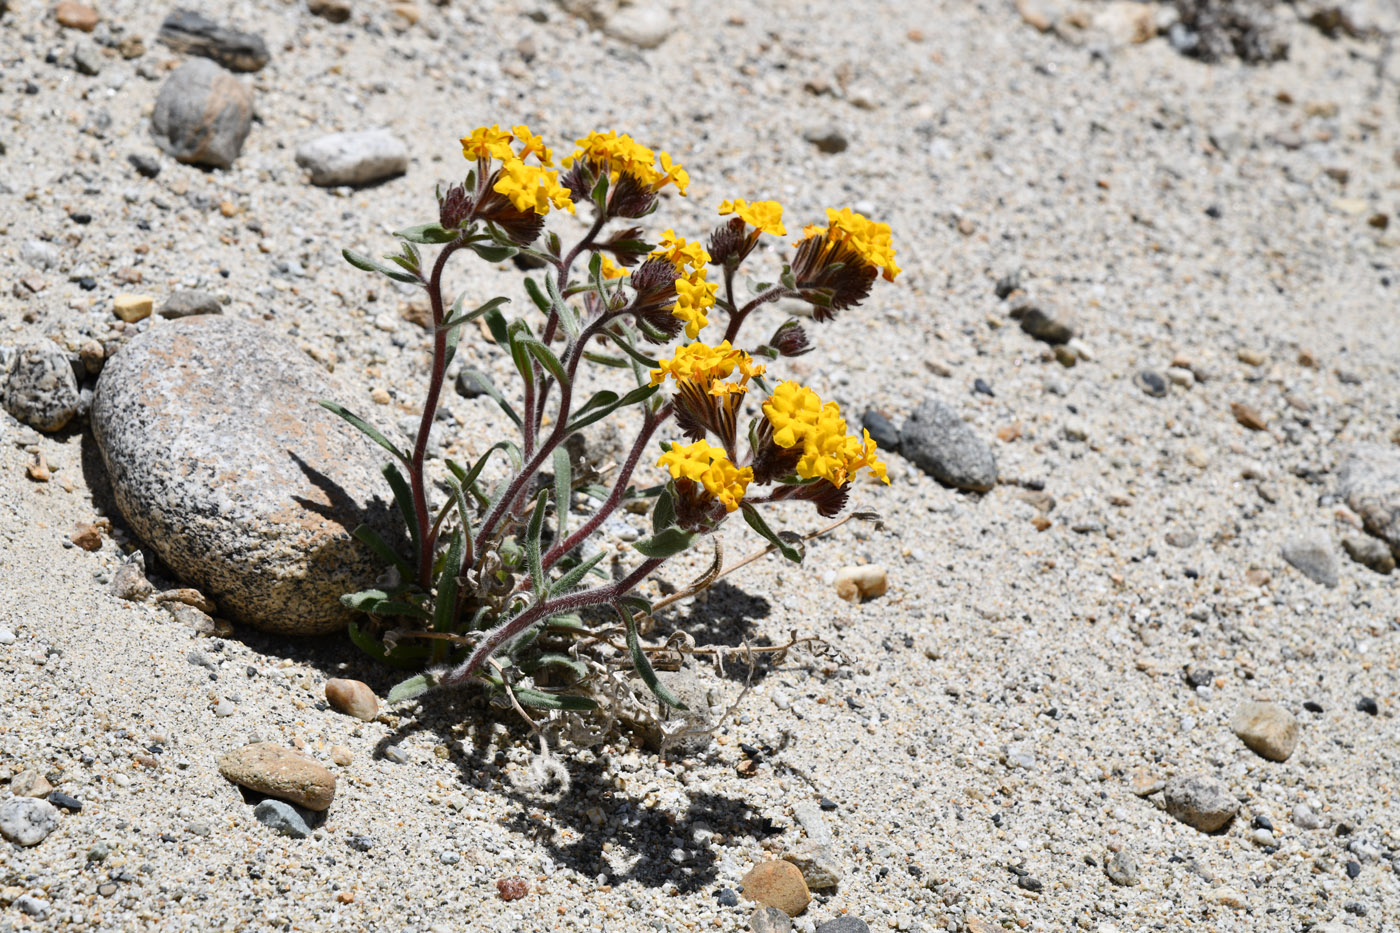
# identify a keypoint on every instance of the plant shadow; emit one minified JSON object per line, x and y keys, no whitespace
{"x":723,"y":616}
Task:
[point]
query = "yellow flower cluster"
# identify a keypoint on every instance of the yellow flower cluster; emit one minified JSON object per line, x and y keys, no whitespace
{"x":492,"y":142}
{"x":623,"y":155}
{"x":708,"y":367}
{"x":708,"y":467}
{"x":764,"y":216}
{"x":532,"y":188}
{"x":694,"y":295}
{"x":800,"y":419}
{"x":872,"y":241}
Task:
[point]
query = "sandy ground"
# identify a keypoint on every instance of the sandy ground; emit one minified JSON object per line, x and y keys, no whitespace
{"x":995,"y":708}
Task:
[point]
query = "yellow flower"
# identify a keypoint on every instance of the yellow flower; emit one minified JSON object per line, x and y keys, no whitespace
{"x":692,"y":298}
{"x":623,"y":155}
{"x":673,"y":173}
{"x":487,"y":142}
{"x":873,"y":242}
{"x":799,"y":418}
{"x":532,"y":144}
{"x":681,"y":253}
{"x":611,"y":270}
{"x":708,"y":467}
{"x":764,"y":216}
{"x":707,"y":366}
{"x":531,"y":188}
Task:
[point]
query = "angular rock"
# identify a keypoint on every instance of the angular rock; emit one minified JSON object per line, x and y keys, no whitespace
{"x":865,"y":581}
{"x":1369,"y":552}
{"x":202,"y":114}
{"x":1312,"y":555}
{"x":846,"y":924}
{"x":354,"y":158}
{"x":770,"y":920}
{"x":353,"y":698}
{"x":133,"y":308}
{"x":1121,"y":868}
{"x":279,"y":772}
{"x":1369,"y":481}
{"x":224,"y":464}
{"x":284,"y":818}
{"x":130,"y":583}
{"x":818,"y":865}
{"x":1043,"y":326}
{"x":194,"y":34}
{"x":189,"y":302}
{"x":939,"y":442}
{"x":41,"y":389}
{"x":30,"y":783}
{"x":27,"y":821}
{"x":1267,"y":728}
{"x":1200,"y":802}
{"x":777,"y":884}
{"x":335,"y":11}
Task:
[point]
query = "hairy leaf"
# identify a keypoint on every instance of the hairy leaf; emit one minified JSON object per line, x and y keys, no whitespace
{"x":369,"y":430}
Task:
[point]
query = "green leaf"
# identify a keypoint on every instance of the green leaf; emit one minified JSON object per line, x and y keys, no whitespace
{"x":602,"y":359}
{"x":643,"y":666}
{"x":533,"y":532}
{"x":493,"y":253}
{"x":445,"y":602}
{"x":569,"y":621}
{"x":553,"y":244}
{"x":516,"y":335}
{"x":496,"y":324}
{"x":571,"y":579}
{"x":756,"y":522}
{"x":426,"y":233}
{"x":380,"y":603}
{"x":456,"y":320}
{"x":563,"y":491}
{"x":600,"y":193}
{"x":535,"y":699}
{"x":541,"y":300}
{"x":554,"y":659}
{"x":404,"y":657}
{"x":370,"y":430}
{"x":371,"y":538}
{"x":415,"y":686}
{"x":787,"y":278}
{"x":665,"y":543}
{"x":454,"y":334}
{"x":403,"y":497}
{"x":632,"y":351}
{"x":663,"y":514}
{"x":585,"y":417}
{"x":567,"y":317}
{"x":490,"y":389}
{"x":547,"y":359}
{"x":360,"y":261}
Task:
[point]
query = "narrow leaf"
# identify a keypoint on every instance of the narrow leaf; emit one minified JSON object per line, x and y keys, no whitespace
{"x":426,"y":233}
{"x":403,"y":497}
{"x":665,"y":543}
{"x":445,"y":604}
{"x":415,"y":686}
{"x":571,"y":579}
{"x":456,"y":320}
{"x":370,"y":430}
{"x":757,"y":523}
{"x":643,"y":666}
{"x":663,"y":514}
{"x":381,"y":548}
{"x":563,"y":490}
{"x":360,"y":261}
{"x":547,"y":359}
{"x":494,"y":253}
{"x":536,"y":699}
{"x":533,"y":532}
{"x":541,"y":300}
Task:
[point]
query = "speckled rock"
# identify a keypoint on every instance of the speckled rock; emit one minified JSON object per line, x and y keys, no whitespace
{"x":283,"y":818}
{"x":1267,"y":728}
{"x":40,"y":389}
{"x":1369,"y":481}
{"x":27,"y":821}
{"x":1313,"y":557}
{"x":940,"y":443}
{"x":279,"y":772}
{"x":195,"y":34}
{"x":1200,"y":802}
{"x":353,"y":158}
{"x":202,"y":115}
{"x":189,"y":302}
{"x":777,"y":884}
{"x":1369,"y":552}
{"x":243,"y":485}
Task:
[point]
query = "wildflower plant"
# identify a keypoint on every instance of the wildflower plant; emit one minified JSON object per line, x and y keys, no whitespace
{"x":495,"y":580}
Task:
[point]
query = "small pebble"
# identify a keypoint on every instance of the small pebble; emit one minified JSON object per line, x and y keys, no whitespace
{"x":770,"y":920}
{"x":283,"y":818}
{"x":1151,"y":383}
{"x":352,"y":697}
{"x":65,"y":802}
{"x":1368,"y":706}
{"x":27,"y":821}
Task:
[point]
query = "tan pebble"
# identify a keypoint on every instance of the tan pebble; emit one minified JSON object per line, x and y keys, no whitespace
{"x":746,"y":768}
{"x":977,"y":925}
{"x":1145,"y":783}
{"x":1065,"y":356}
{"x":380,"y":397}
{"x":279,"y":772}
{"x":39,"y":469}
{"x":1039,"y":499}
{"x":352,"y":697}
{"x":1229,"y":897}
{"x":1008,"y":433}
{"x":341,"y":755}
{"x":1248,"y":416}
{"x":30,"y":784}
{"x":1197,"y":457}
{"x":1258,"y":577}
{"x":132,"y":308}
{"x":866,"y":581}
{"x":1041,"y":522}
{"x":87,"y":536}
{"x":967,"y":226}
{"x":190,"y":597}
{"x":777,"y":884}
{"x":1038,"y":13}
{"x":1268,"y":729}
{"x":75,"y":15}
{"x":407,"y":12}
{"x":228,"y":208}
{"x":1251,"y":357}
{"x":1306,"y":358}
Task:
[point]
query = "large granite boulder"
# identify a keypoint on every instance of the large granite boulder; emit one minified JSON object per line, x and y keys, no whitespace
{"x":1369,"y":481}
{"x":223,"y":462}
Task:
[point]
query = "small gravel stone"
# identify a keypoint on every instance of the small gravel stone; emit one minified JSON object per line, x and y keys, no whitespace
{"x":88,"y":61}
{"x":726,"y":897}
{"x":65,"y":802}
{"x":283,"y":818}
{"x":1267,"y":728}
{"x":147,"y":166}
{"x":1029,"y":883}
{"x":225,"y":708}
{"x":846,"y":924}
{"x":1248,"y":416}
{"x":341,"y":755}
{"x":777,"y":884}
{"x":469,"y":383}
{"x":1121,"y":868}
{"x":194,"y":34}
{"x":27,"y":821}
{"x":202,"y":115}
{"x":41,"y":389}
{"x":866,"y":581}
{"x":1151,"y":383}
{"x":882,"y":430}
{"x":1304,"y":818}
{"x":30,"y":783}
{"x":1368,"y":706}
{"x":7,"y":637}
{"x":1369,"y":481}
{"x":645,"y":24}
{"x":937,"y":440}
{"x":1201,"y":802}
{"x":353,"y":158}
{"x":335,"y":11}
{"x":353,"y":698}
{"x":827,"y":138}
{"x":1369,"y":552}
{"x":1043,"y":325}
{"x":33,"y":906}
{"x":130,"y":583}
{"x":395,"y":754}
{"x":770,"y":920}
{"x":1312,"y":555}
{"x":74,"y":15}
{"x":279,"y":772}
{"x":818,"y":865}
{"x":189,"y":302}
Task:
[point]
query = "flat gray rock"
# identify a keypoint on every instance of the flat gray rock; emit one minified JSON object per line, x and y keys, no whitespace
{"x":1201,"y":802}
{"x":40,"y":388}
{"x":195,"y":34}
{"x":27,"y":821}
{"x":188,"y":302}
{"x":354,"y":158}
{"x":1313,"y":557}
{"x":937,"y":440}
{"x":1369,"y":481}
{"x":223,"y":462}
{"x":202,"y":115}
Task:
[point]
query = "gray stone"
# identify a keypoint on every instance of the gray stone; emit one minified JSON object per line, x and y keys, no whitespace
{"x":1042,"y":325}
{"x":130,"y":583}
{"x":354,"y":158}
{"x":827,"y":138}
{"x":40,"y":389}
{"x":202,"y":115}
{"x":939,"y":442}
{"x":1268,"y":729}
{"x":882,"y":430}
{"x":1121,"y":868}
{"x":33,"y":906}
{"x":813,"y":823}
{"x":194,"y":34}
{"x":469,"y":384}
{"x":646,"y":24}
{"x":1369,"y":481}
{"x":27,"y":821}
{"x":770,"y":920}
{"x":1200,"y":802}
{"x":845,"y":924}
{"x":86,"y":59}
{"x":282,"y":817}
{"x":189,"y":302}
{"x":1304,"y":818}
{"x":223,"y":462}
{"x":39,"y":254}
{"x":1312,"y":555}
{"x":1369,"y":552}
{"x":818,"y":865}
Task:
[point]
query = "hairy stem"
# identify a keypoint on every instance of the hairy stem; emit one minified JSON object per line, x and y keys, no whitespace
{"x":736,"y":320}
